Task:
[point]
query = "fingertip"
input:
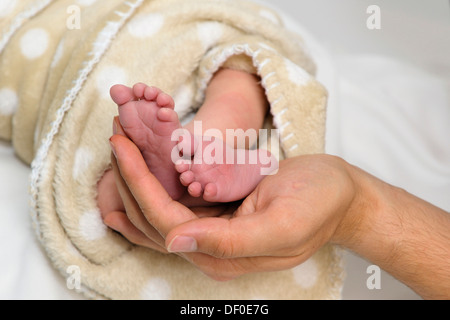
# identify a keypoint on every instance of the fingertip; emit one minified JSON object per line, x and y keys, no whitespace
{"x":244,"y":236}
{"x":182,"y":244}
{"x":117,"y":127}
{"x":125,"y":148}
{"x":208,"y":234}
{"x":115,"y":220}
{"x":116,"y":143}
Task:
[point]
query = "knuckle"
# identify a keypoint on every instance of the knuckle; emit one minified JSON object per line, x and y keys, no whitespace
{"x":222,"y":251}
{"x":224,"y":247}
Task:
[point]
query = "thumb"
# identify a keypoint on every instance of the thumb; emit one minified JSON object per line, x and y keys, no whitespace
{"x":151,"y":198}
{"x":244,"y":236}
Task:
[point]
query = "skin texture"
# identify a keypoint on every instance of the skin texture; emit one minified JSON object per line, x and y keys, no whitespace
{"x":233,"y":100}
{"x":311,"y":201}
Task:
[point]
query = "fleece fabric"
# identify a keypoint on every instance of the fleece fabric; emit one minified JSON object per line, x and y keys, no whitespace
{"x":58,"y":60}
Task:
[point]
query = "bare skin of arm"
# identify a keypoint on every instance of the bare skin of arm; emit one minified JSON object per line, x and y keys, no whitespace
{"x":404,"y":235}
{"x":311,"y":201}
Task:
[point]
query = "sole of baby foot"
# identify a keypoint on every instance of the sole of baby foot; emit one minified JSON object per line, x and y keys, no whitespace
{"x":148,"y":118}
{"x":215,"y":180}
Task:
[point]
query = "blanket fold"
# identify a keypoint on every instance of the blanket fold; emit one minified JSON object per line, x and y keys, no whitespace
{"x":58,"y":60}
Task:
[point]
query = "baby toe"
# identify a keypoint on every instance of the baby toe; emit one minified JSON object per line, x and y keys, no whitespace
{"x":182,"y":166}
{"x":151,"y":93}
{"x":195,"y":189}
{"x":121,"y":94}
{"x":187,"y":178}
{"x":165,"y":101}
{"x":139,"y":89}
{"x":210,"y":193}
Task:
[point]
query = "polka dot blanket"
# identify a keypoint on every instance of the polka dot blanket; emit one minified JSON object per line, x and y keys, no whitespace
{"x":58,"y":60}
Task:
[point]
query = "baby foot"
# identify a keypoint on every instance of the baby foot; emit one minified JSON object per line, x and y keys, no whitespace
{"x":148,"y":118}
{"x":220,"y":173}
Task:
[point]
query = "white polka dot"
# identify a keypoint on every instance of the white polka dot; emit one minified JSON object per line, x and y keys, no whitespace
{"x":269,"y":16}
{"x":6,"y":7}
{"x":156,"y":289}
{"x":34,"y":43}
{"x":297,"y":74}
{"x":145,"y":25}
{"x":91,"y":225}
{"x":306,"y":274}
{"x":209,"y":33}
{"x":82,"y":161}
{"x":8,"y":102}
{"x":109,"y":77}
{"x":86,"y":2}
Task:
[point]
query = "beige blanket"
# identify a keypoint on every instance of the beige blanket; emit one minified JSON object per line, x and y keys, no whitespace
{"x":58,"y":60}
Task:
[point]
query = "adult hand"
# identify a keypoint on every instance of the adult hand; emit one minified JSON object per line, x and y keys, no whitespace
{"x":312,"y":200}
{"x":128,"y":218}
{"x":282,"y":223}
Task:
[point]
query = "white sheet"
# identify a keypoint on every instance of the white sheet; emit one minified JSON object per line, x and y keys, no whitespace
{"x":402,"y":117}
{"x":395,"y":124}
{"x":25,"y":272}
{"x":387,"y":116}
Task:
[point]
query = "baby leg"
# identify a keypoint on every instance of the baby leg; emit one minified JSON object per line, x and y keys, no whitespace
{"x":219,"y":171}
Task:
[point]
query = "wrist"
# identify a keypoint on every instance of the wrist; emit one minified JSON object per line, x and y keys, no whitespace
{"x":358,"y":226}
{"x":402,"y":234}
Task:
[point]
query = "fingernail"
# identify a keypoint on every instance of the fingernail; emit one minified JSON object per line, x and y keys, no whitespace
{"x":114,"y":127}
{"x":113,"y":148}
{"x":182,"y":244}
